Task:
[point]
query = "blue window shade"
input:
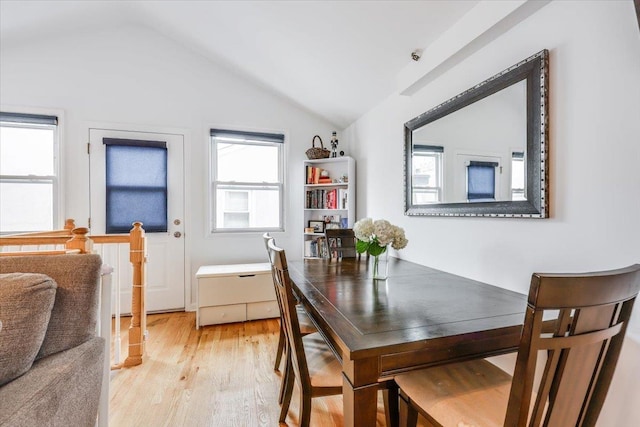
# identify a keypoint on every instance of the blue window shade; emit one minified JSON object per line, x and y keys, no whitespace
{"x":33,"y":119}
{"x":428,"y":148}
{"x":481,"y":181}
{"x":136,"y":185}
{"x":247,"y":136}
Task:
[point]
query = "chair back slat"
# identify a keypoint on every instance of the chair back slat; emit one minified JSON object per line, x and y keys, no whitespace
{"x":579,"y":365}
{"x":267,"y":238}
{"x":292,"y":325}
{"x":592,"y":312}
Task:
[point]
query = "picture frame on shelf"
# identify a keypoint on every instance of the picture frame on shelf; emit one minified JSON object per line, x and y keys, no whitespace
{"x":331,"y":218}
{"x":318,"y":226}
{"x":332,"y":226}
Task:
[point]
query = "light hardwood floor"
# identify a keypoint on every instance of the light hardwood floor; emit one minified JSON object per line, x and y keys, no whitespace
{"x":215,"y":376}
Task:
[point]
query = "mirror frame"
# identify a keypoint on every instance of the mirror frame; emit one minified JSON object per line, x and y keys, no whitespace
{"x":534,"y":70}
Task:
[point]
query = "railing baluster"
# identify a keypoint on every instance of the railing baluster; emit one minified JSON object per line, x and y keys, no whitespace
{"x":137,"y":256}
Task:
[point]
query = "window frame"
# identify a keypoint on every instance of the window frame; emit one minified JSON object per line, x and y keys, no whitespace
{"x":57,"y":210}
{"x":437,"y":152}
{"x":213,"y":183}
{"x":518,"y":156}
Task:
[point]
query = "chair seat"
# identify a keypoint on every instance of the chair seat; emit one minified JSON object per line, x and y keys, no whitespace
{"x":324,"y":368}
{"x":473,"y":393}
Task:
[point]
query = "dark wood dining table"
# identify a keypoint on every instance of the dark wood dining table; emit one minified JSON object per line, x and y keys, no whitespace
{"x":417,"y":317}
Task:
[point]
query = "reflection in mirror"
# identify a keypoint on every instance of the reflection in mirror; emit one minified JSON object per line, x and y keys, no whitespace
{"x":483,"y":152}
{"x":463,"y":158}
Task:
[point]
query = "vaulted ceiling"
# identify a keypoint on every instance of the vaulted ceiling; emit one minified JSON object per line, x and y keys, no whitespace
{"x":337,"y":59}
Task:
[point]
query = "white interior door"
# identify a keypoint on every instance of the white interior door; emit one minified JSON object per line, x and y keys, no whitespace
{"x":165,"y":250}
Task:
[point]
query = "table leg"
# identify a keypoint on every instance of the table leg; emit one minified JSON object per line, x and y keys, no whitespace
{"x":360,"y":403}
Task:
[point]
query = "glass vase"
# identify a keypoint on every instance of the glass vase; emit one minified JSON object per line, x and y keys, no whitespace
{"x":379,"y":265}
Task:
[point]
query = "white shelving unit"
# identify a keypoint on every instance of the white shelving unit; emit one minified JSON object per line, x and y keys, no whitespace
{"x":342,"y":189}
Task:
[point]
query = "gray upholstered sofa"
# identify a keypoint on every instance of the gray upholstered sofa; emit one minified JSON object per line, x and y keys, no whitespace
{"x":51,"y":361}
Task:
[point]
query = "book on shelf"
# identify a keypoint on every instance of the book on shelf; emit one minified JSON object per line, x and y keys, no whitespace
{"x":315,"y":199}
{"x":307,"y":247}
{"x":331,"y":202}
{"x":313,"y":176}
{"x":335,"y":198}
{"x":342,"y":198}
{"x":315,"y":248}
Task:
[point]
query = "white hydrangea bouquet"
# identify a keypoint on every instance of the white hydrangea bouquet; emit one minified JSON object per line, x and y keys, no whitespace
{"x":373,"y":237}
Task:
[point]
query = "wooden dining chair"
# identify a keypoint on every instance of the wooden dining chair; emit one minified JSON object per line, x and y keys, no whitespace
{"x":341,"y":243}
{"x":581,"y":342}
{"x":306,"y":325}
{"x":312,"y":362}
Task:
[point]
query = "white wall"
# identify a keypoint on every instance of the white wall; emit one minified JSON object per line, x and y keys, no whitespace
{"x":594,"y":166}
{"x":138,"y":78}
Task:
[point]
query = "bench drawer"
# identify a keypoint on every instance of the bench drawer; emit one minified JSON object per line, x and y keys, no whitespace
{"x":235,"y":289}
{"x":223,"y":314}
{"x":262,"y":310}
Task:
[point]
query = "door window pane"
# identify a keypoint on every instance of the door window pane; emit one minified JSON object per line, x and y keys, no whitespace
{"x":136,"y":186}
{"x":147,"y":205}
{"x":481,"y":181}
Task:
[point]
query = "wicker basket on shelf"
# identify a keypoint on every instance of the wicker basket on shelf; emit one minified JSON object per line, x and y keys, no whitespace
{"x":317,"y":152}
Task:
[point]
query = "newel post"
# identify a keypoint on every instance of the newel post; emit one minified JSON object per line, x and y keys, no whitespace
{"x":79,"y":240}
{"x":137,"y":256}
{"x":69,"y":225}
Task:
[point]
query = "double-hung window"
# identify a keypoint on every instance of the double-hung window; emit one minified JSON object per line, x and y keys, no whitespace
{"x":247,"y":180}
{"x":518,"y":176}
{"x":29,"y":181}
{"x":426,"y":174}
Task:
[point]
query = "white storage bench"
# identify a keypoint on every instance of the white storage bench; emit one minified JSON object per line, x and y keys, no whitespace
{"x":235,"y":293}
